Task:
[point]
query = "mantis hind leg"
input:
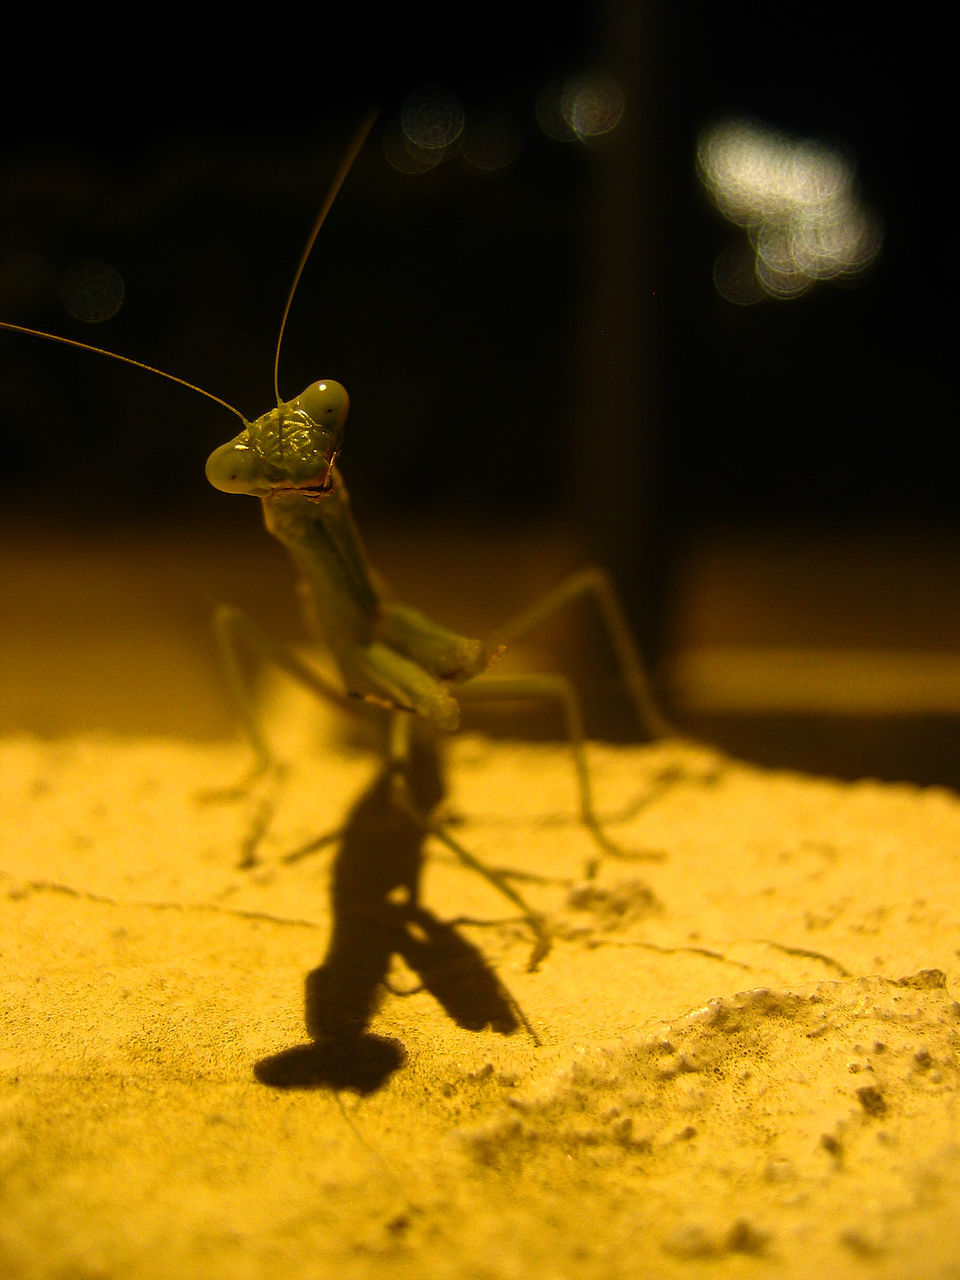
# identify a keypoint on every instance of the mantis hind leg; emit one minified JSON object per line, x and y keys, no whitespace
{"x":596,"y":584}
{"x":559,"y":690}
{"x":399,"y":752}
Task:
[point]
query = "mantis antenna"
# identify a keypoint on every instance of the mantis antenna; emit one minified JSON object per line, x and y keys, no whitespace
{"x":346,"y":164}
{"x":137,"y":364}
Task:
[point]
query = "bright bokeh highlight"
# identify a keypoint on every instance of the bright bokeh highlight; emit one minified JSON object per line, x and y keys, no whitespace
{"x":798,"y":203}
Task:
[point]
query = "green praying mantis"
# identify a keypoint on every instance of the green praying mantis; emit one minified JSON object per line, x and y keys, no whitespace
{"x":388,"y":654}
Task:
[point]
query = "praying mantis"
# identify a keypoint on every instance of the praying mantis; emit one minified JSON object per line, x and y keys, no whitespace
{"x":388,"y":654}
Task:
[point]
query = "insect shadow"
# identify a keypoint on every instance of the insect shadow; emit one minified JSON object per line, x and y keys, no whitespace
{"x":375,"y":881}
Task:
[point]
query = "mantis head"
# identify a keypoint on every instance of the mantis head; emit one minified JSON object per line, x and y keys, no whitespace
{"x":290,"y":449}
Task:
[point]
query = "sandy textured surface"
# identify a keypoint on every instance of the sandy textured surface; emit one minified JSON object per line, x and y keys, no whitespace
{"x":739,"y":1059}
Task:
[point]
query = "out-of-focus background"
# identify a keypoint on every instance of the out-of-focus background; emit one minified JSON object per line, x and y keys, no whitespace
{"x":660,"y":285}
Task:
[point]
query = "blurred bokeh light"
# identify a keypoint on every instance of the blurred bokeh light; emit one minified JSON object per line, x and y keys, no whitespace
{"x":797,"y":200}
{"x":580,"y":107}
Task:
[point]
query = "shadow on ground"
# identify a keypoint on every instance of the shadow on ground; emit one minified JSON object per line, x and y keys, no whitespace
{"x":376,"y":915}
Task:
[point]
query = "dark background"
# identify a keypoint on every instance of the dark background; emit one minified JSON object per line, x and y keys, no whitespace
{"x":453,"y":304}
{"x":540,"y":344}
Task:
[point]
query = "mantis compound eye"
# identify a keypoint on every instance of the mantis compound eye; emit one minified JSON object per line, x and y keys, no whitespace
{"x":326,"y":403}
{"x":235,"y":466}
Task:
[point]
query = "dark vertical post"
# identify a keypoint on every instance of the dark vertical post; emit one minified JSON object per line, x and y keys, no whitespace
{"x":619,"y":425}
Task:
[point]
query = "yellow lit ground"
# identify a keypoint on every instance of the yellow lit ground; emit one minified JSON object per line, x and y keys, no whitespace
{"x":739,"y":1058}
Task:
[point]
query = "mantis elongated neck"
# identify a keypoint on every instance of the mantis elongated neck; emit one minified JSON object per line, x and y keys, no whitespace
{"x":339,"y":592}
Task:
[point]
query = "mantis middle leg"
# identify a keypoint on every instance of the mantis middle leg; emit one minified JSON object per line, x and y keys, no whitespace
{"x":233,"y":631}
